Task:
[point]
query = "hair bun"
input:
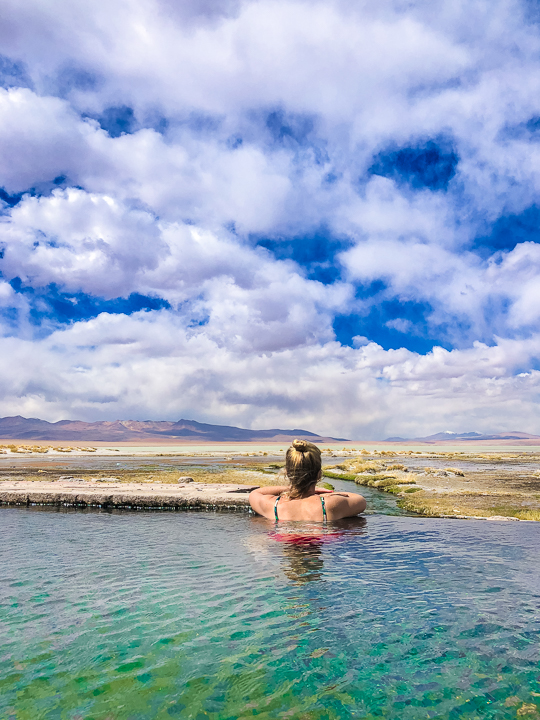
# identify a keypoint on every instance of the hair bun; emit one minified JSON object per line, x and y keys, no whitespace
{"x":300,"y":445}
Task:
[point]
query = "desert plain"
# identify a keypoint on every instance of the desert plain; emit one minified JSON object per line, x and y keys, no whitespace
{"x":459,"y":481}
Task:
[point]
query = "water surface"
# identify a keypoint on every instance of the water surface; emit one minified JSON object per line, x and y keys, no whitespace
{"x":215,"y":615}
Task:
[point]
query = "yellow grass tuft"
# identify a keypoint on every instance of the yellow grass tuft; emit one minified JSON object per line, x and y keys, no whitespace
{"x":457,"y":472}
{"x":363,"y":466}
{"x":393,"y":480}
{"x":528,"y":514}
{"x":527,"y":709}
{"x":369,"y":480}
{"x":386,"y":482}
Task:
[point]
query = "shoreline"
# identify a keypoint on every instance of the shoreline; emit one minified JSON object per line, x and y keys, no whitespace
{"x":428,"y":483}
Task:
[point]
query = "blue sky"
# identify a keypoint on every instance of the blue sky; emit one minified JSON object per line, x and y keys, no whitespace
{"x":272,"y":213}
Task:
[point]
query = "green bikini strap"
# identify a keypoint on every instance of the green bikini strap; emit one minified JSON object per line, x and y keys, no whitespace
{"x":275,"y":507}
{"x":323,"y":508}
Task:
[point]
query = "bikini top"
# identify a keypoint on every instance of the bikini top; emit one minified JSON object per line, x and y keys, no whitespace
{"x":322,"y":503}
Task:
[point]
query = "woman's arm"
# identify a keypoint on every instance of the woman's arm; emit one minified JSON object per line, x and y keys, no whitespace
{"x":347,"y":505}
{"x":271,"y":490}
{"x":262,"y":499}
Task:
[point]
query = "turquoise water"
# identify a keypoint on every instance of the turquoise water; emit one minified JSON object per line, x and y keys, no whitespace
{"x":216,"y":615}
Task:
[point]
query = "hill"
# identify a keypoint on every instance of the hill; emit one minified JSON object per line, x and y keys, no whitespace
{"x":510,"y":437}
{"x":21,"y":428}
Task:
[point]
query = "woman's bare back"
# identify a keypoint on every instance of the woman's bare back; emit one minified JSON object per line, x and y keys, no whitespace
{"x":338,"y":505}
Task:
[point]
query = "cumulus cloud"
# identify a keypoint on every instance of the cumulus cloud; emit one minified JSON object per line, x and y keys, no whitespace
{"x":328,"y":212}
{"x":145,"y":365}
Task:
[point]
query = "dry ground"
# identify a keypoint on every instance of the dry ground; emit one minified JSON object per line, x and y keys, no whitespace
{"x":143,"y":474}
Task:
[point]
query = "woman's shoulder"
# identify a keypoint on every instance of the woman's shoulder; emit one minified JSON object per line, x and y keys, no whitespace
{"x":347,"y":502}
{"x":263,"y":504}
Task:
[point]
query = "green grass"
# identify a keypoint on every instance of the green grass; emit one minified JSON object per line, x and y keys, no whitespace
{"x":325,"y":485}
{"x":392,"y":489}
{"x":339,"y":476}
{"x":370,"y":480}
{"x":392,"y":480}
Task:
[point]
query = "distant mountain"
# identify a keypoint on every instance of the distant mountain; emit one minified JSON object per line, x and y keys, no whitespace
{"x":448,"y":436}
{"x":21,"y":428}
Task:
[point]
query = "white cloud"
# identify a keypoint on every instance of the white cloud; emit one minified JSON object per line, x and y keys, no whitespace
{"x":151,"y":365}
{"x":173,"y":209}
{"x":82,"y":242}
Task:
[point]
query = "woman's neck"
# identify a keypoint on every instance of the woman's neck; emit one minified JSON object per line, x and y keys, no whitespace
{"x":308,"y":493}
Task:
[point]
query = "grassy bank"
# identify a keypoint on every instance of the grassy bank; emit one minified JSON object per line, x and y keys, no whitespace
{"x":483,"y":486}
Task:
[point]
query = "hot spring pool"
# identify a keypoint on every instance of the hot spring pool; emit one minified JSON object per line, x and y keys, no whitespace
{"x":214,"y":615}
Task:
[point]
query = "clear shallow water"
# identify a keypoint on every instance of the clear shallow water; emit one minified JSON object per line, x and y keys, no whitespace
{"x":203,"y":615}
{"x":378,"y":502}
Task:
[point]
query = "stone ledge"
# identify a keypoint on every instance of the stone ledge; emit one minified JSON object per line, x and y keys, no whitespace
{"x":126,"y":495}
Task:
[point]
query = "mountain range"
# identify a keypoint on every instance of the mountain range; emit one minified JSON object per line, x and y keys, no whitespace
{"x":21,"y":428}
{"x":443,"y":437}
{"x":191,"y":431}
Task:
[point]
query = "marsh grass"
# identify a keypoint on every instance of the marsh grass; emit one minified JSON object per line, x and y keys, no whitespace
{"x":528,"y":515}
{"x":396,"y":480}
{"x":325,"y":485}
{"x":339,"y":476}
{"x":385,"y":482}
{"x":369,"y":480}
{"x":19,"y":449}
{"x":362,"y":466}
{"x":473,"y":504}
{"x":395,"y":485}
{"x":392,"y":489}
{"x":389,"y":476}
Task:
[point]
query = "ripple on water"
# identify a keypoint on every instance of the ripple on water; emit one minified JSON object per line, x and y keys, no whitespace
{"x":153,"y":615}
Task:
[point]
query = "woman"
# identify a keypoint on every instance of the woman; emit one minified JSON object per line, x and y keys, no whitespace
{"x":301,"y":500}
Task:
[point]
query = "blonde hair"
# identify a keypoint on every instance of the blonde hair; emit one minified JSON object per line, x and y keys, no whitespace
{"x":303,"y":466}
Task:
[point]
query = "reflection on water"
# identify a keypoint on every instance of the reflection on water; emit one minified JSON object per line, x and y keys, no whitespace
{"x":302,"y":545}
{"x":152,"y":616}
{"x":302,"y":561}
